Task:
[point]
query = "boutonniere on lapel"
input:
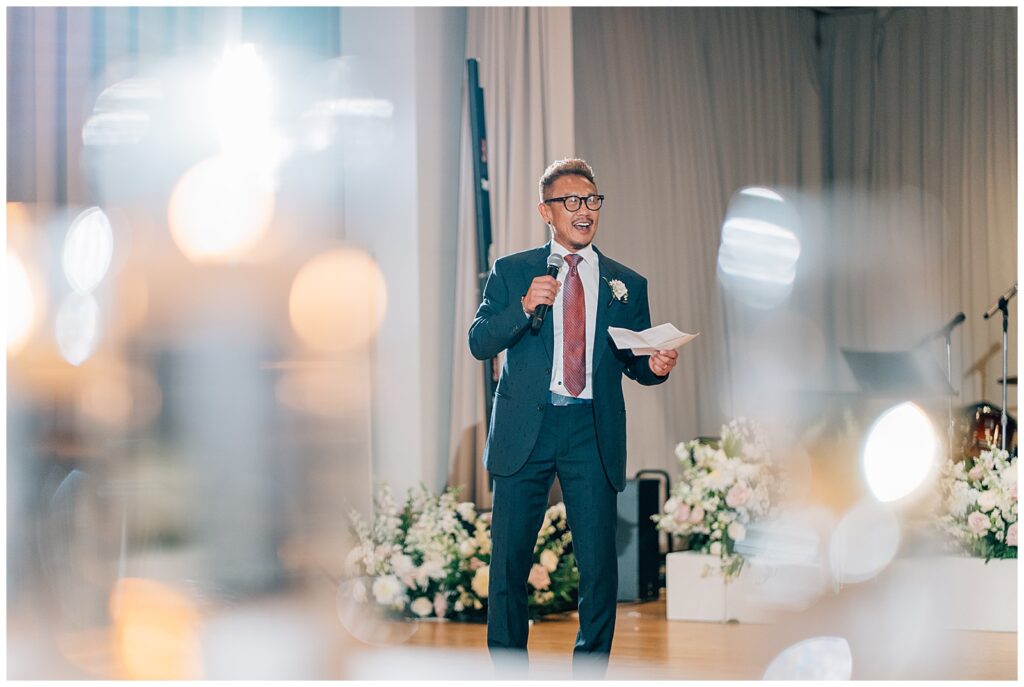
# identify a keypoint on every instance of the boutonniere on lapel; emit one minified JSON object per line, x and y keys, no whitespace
{"x":619,"y":291}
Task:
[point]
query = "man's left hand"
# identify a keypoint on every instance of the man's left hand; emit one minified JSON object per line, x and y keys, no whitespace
{"x":662,"y":362}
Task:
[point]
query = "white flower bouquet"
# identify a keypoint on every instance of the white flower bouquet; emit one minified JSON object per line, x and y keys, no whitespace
{"x":979,"y":498}
{"x":431,"y":558}
{"x":724,"y":486}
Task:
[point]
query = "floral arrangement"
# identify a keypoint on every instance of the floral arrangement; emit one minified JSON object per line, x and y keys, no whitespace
{"x":724,"y":486}
{"x":431,"y":557}
{"x":979,"y":497}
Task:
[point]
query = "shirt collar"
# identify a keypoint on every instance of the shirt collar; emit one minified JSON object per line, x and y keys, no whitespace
{"x":588,"y":254}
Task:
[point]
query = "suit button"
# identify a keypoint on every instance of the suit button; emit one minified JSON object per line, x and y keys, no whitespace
{"x":540,"y":406}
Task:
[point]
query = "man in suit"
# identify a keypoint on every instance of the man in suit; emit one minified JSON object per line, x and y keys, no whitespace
{"x":559,"y":409}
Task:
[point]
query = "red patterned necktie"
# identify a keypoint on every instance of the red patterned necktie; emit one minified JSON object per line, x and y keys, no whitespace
{"x":574,"y":330}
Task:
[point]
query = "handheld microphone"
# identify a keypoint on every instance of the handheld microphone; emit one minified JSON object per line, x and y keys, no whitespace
{"x":537,"y":319}
{"x":998,"y":305}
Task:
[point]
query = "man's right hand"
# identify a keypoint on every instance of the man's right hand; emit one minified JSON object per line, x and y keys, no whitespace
{"x":542,"y":290}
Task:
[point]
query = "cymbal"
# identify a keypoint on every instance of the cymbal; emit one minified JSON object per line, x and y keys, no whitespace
{"x":1011,"y":380}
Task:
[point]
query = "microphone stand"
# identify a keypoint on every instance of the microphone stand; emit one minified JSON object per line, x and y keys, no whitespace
{"x":1003,"y":306}
{"x":949,"y":397}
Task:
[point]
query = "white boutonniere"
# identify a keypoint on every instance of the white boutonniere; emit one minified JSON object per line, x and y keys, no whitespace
{"x":619,"y":290}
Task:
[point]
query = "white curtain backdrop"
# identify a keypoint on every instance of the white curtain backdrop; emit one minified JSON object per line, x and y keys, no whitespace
{"x":678,"y":109}
{"x":525,"y":56}
{"x":923,"y":154}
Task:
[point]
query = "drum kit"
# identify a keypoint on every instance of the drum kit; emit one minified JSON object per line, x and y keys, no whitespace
{"x":972,"y":428}
{"x":983,"y":424}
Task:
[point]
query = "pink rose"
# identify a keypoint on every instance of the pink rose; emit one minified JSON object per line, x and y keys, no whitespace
{"x":539,"y":577}
{"x":738,"y":495}
{"x":978,"y":523}
{"x":975,"y":473}
{"x":440,"y":605}
{"x":475,"y":563}
{"x":697,"y":514}
{"x":1011,"y":535}
{"x":681,"y":513}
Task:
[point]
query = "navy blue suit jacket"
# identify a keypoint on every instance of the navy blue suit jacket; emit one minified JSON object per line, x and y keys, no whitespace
{"x":523,"y":389}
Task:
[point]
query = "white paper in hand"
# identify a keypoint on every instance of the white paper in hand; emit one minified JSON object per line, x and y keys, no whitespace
{"x":664,"y":337}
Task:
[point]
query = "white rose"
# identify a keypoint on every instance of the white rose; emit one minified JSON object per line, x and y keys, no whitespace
{"x":737,"y":531}
{"x":386,"y":589}
{"x":467,"y":548}
{"x":682,"y":452}
{"x":987,"y":501}
{"x":670,"y":505}
{"x":467,"y":511}
{"x":401,"y":564}
{"x":549,"y":559}
{"x":716,"y":548}
{"x":422,"y":607}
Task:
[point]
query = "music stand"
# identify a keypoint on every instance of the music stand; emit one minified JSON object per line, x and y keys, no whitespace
{"x":903,"y":374}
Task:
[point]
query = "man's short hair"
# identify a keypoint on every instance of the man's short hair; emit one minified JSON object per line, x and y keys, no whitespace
{"x":561,"y":168}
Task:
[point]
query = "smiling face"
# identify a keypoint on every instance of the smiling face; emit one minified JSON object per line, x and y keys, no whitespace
{"x":572,"y":230}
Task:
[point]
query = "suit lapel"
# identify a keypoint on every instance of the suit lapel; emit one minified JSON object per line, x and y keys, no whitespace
{"x":606,"y":272}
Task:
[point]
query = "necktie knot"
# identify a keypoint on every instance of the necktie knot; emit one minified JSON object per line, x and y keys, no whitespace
{"x":573,"y":260}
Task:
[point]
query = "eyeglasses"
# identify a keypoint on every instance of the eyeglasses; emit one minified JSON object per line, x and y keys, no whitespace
{"x":572,"y":203}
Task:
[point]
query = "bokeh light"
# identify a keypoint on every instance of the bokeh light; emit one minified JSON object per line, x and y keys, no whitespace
{"x":78,"y":327}
{"x":338,"y":300}
{"x":241,"y":100}
{"x":817,"y":658}
{"x":155,"y":631}
{"x":864,"y":542}
{"x":21,"y":305}
{"x":758,"y":256}
{"x":365,"y":619}
{"x":220,"y":210}
{"x":120,"y":396}
{"x":900,"y":452}
{"x":88,"y":248}
{"x":121,"y":114}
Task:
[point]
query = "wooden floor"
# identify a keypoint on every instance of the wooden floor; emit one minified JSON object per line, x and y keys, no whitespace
{"x":647,"y":646}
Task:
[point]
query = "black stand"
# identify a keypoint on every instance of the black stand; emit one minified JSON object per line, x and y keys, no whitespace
{"x":1002,"y":305}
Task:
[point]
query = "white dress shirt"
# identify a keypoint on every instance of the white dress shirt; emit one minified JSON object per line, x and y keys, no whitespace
{"x":590,"y":276}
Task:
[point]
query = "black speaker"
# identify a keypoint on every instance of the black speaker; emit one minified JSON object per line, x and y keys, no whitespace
{"x":636,"y":541}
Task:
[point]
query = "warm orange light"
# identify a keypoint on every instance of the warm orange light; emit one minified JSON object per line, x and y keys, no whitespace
{"x":220,"y":210}
{"x":338,"y":300}
{"x":156,"y":631}
{"x":119,"y":396}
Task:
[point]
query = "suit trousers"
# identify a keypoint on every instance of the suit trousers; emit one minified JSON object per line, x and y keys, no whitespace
{"x":566,"y":446}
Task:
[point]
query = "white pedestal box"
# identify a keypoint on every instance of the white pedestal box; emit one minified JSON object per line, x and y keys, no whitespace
{"x":969,"y":593}
{"x":693,"y":595}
